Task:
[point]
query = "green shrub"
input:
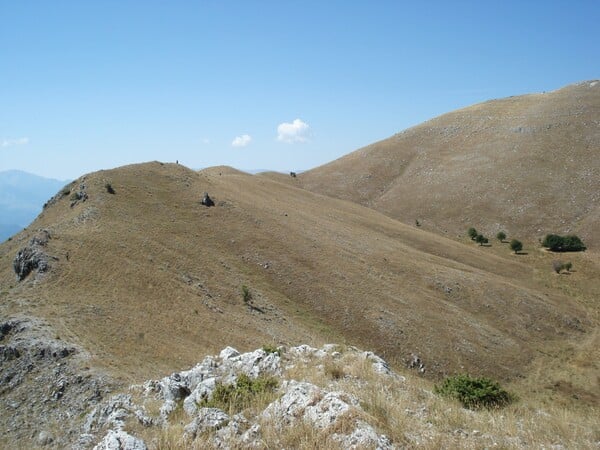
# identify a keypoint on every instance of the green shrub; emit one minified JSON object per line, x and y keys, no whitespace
{"x":271,"y":349}
{"x":501,"y":236}
{"x":569,"y":243}
{"x":238,"y":396}
{"x":246,"y":294}
{"x":472,"y":232}
{"x":516,"y":245}
{"x":481,"y":239}
{"x":474,"y":392}
{"x":568,"y":266}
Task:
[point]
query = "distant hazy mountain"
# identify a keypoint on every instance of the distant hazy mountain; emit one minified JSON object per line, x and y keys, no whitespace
{"x":22,"y":196}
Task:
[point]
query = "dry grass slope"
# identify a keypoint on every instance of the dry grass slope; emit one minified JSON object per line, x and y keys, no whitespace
{"x":148,"y":279}
{"x":528,"y":165}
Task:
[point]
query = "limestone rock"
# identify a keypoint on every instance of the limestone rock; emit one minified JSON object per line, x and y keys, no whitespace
{"x":298,"y":395}
{"x":80,"y":195}
{"x":202,"y":391}
{"x":206,"y":419}
{"x":32,"y":257}
{"x":120,"y":440}
{"x":238,"y":428}
{"x":44,"y":438}
{"x":228,"y":353}
{"x":311,"y":404}
{"x":112,"y":413}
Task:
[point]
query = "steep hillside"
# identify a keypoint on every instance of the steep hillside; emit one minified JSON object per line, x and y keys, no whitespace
{"x":147,"y":278}
{"x":529,"y":165}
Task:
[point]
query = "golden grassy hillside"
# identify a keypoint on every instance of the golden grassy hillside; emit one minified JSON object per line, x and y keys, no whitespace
{"x":529,"y":165}
{"x":148,"y":280}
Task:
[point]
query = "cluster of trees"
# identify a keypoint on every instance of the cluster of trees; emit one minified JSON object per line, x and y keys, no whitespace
{"x":553,"y":242}
{"x":569,"y":243}
{"x":515,"y":244}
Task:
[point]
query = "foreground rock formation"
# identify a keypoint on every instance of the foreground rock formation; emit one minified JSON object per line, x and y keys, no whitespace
{"x":294,"y":402}
{"x":334,"y":397}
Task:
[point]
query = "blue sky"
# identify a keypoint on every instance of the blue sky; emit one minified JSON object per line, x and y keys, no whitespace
{"x":89,"y":85}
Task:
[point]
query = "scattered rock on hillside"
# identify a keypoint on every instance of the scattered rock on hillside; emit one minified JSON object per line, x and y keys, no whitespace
{"x":206,"y":200}
{"x":32,"y":257}
{"x":80,"y":195}
{"x":415,"y":362}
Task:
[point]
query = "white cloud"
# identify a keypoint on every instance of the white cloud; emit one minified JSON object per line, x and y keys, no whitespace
{"x":297,"y":131}
{"x":12,"y":142}
{"x":205,"y":141}
{"x":241,"y":141}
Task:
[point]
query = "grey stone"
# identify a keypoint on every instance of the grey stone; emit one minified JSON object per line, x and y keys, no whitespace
{"x":206,"y":200}
{"x":120,"y":440}
{"x":44,"y":438}
{"x":202,"y":391}
{"x":206,"y":419}
{"x":229,"y":353}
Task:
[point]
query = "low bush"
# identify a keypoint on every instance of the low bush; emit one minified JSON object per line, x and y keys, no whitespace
{"x":246,"y":294}
{"x":481,"y":239}
{"x":238,"y":396}
{"x":501,"y":236}
{"x":271,"y":349}
{"x":474,"y":392}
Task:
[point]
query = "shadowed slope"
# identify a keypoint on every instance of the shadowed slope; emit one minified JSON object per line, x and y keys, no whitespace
{"x":528,"y":165}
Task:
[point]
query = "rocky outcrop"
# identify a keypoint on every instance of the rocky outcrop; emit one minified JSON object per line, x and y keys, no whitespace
{"x":206,"y":200}
{"x":120,"y":440}
{"x":45,"y":385}
{"x":80,"y":195}
{"x":33,"y":257}
{"x":295,"y":402}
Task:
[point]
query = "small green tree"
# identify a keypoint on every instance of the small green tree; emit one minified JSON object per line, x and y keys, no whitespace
{"x":516,"y":245}
{"x":481,"y":239}
{"x":568,"y":266}
{"x":246,"y":294}
{"x":501,"y":236}
{"x":472,"y":232}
